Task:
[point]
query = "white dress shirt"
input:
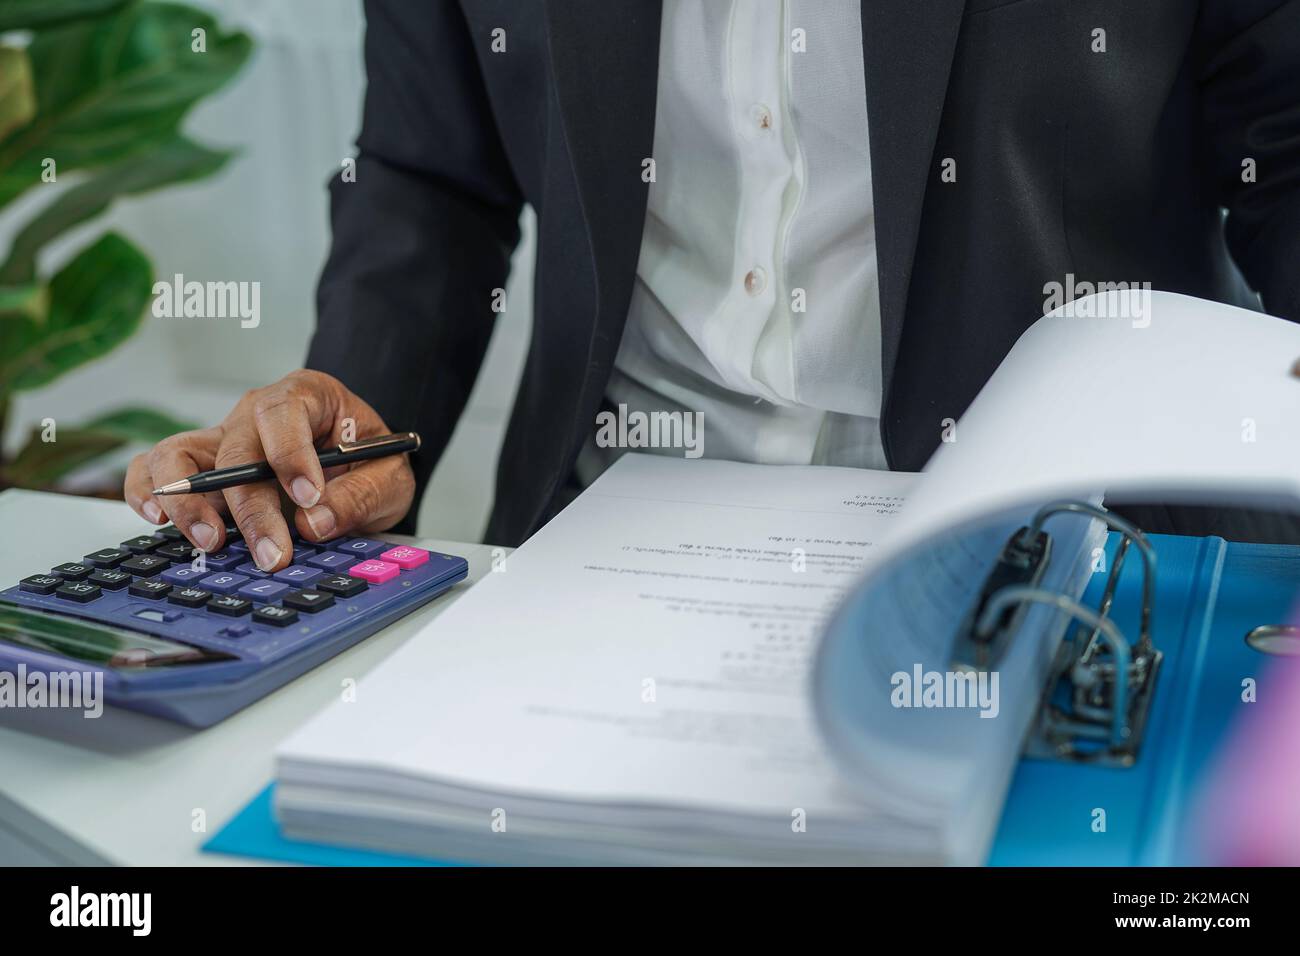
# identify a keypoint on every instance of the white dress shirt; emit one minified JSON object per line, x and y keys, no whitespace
{"x":756,"y":299}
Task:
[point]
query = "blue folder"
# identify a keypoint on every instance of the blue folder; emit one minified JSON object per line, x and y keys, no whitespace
{"x":1209,"y":595}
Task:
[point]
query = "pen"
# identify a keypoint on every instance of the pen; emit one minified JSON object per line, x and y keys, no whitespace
{"x":345,"y":454}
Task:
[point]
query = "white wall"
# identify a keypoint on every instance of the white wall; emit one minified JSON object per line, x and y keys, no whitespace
{"x":293,"y":114}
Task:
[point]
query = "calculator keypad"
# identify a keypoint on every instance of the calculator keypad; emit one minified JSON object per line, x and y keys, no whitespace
{"x":189,"y":597}
{"x":150,"y":588}
{"x":40,"y":584}
{"x":275,"y":616}
{"x":229,"y":605}
{"x":376,"y":572}
{"x":297,"y":575}
{"x":341,"y":585}
{"x":143,"y":544}
{"x":224,"y":583}
{"x":144,"y":565}
{"x":158,"y":583}
{"x":80,"y":591}
{"x":107,"y":557}
{"x":264,"y":590}
{"x":72,"y":572}
{"x":110,"y":580}
{"x":309,"y":601}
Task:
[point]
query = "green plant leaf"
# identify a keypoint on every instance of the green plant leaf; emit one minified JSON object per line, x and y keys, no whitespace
{"x":96,"y":302}
{"x":137,"y":424}
{"x":17,"y":95}
{"x":178,"y":160}
{"x":32,"y":14}
{"x":39,"y":464}
{"x":31,"y":299}
{"x":115,"y":87}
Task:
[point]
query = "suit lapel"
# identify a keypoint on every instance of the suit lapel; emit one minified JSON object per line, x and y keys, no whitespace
{"x":907,"y":51}
{"x":605,"y":58}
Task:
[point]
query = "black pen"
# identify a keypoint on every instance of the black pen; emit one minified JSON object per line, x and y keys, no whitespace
{"x":345,"y":454}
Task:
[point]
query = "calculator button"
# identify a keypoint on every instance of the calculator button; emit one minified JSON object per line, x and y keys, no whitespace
{"x":275,"y":616}
{"x":143,"y":544}
{"x":301,"y":552}
{"x":79,"y":591}
{"x":181,"y":575}
{"x":239,"y":547}
{"x":405,"y":557}
{"x":224,"y":583}
{"x":180,"y":551}
{"x":330,"y":560}
{"x":72,"y":571}
{"x":152,"y":589}
{"x":189,"y":597}
{"x":251,"y":569}
{"x":230,"y":605}
{"x":297,"y":574}
{"x":376,"y":572}
{"x":264,"y":591}
{"x":110,"y":580}
{"x":224,"y":560}
{"x":144,"y":565}
{"x":107,"y":557}
{"x":39,"y":584}
{"x":341,"y":585}
{"x":171,"y":533}
{"x":359,"y":547}
{"x":309,"y":601}
{"x":235,"y":630}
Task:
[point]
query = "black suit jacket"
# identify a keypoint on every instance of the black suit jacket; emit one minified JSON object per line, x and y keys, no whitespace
{"x":1111,"y":166}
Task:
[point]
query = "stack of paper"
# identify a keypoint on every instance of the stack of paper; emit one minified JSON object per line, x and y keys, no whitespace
{"x":636,"y":683}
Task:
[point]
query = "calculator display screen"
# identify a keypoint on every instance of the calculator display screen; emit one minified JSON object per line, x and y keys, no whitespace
{"x":95,"y":643}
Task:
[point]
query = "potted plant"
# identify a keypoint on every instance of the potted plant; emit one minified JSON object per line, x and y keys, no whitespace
{"x":94,"y":90}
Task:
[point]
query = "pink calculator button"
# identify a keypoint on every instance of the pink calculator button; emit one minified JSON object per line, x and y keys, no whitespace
{"x":376,"y":572}
{"x":405,"y":557}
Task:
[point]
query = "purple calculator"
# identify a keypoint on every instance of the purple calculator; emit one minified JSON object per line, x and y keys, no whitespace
{"x":192,"y":636}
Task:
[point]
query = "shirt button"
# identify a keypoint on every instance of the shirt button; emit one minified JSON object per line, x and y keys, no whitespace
{"x":755,"y":281}
{"x":761,"y":116}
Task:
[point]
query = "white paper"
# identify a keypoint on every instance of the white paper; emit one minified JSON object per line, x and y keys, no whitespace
{"x":1146,"y":396}
{"x":650,"y":646}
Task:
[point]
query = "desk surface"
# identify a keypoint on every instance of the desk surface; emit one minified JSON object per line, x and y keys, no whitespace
{"x":124,"y":788}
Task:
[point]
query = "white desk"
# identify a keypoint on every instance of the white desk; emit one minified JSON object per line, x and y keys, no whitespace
{"x":123,"y":788}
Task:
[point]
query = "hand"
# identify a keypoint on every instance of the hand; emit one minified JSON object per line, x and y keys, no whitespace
{"x":280,"y":424}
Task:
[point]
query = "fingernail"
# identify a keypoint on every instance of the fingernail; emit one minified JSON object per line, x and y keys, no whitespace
{"x":204,"y":535}
{"x":304,"y":492}
{"x":268,"y":555}
{"x":322,"y":521}
{"x":152,"y":511}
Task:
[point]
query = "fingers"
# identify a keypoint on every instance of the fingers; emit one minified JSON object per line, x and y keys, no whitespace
{"x":289,"y":416}
{"x":256,"y":507}
{"x":138,"y":491}
{"x":171,"y":459}
{"x":372,"y":496}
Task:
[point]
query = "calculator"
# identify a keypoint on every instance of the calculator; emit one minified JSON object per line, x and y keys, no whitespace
{"x":192,"y":636}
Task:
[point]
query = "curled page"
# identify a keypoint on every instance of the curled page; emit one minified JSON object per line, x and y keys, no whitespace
{"x":1152,"y":396}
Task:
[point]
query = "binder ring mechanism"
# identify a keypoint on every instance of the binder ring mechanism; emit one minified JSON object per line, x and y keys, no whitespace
{"x":1098,"y":696}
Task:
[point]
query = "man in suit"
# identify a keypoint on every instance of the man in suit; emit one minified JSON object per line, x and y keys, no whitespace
{"x":821,"y":223}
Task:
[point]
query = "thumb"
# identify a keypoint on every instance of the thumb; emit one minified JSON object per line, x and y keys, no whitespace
{"x":373,"y":496}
